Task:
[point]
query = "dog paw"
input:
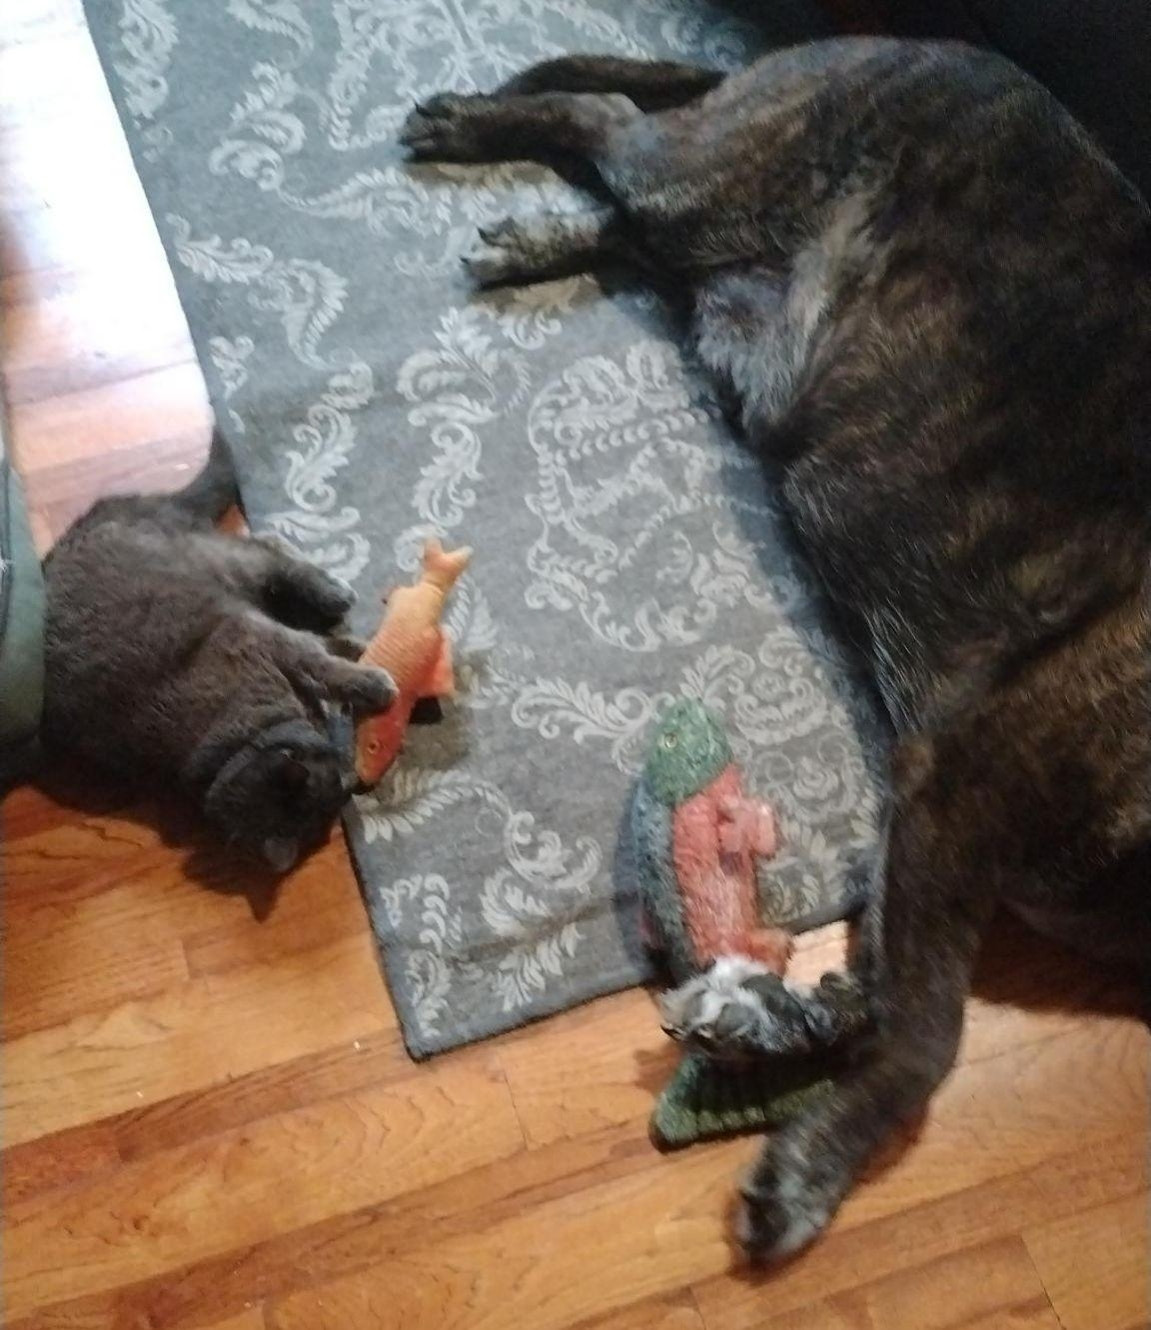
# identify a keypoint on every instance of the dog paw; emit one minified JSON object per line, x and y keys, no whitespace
{"x":439,"y":129}
{"x":499,"y":254}
{"x":738,"y":1008}
{"x":785,"y":1204}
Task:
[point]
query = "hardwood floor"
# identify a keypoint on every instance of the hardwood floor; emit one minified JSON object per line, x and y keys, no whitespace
{"x":209,"y":1118}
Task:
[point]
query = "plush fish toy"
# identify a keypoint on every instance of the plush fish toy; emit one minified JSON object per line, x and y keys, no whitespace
{"x":414,"y":649}
{"x":697,"y":838}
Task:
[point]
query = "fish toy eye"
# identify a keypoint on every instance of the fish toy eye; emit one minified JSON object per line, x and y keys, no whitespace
{"x":670,"y":739}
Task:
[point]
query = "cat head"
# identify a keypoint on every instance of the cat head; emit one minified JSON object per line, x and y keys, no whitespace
{"x":279,"y":795}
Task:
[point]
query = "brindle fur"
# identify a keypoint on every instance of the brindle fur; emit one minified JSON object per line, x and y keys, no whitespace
{"x":930,"y":296}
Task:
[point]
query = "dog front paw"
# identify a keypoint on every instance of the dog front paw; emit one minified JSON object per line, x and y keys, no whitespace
{"x":786,"y":1202}
{"x":440,"y":129}
{"x":741,"y":1008}
{"x":502,"y":252}
{"x":738,"y":1008}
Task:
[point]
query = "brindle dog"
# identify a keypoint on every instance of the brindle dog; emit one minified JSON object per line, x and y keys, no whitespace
{"x":930,"y":296}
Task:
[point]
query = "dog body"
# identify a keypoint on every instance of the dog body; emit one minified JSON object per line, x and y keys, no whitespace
{"x":929,"y":296}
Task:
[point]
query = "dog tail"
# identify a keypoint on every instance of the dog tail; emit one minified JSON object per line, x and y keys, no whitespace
{"x":209,"y":495}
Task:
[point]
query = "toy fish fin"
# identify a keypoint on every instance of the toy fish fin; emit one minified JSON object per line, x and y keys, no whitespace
{"x":427,"y":711}
{"x":441,"y":680}
{"x":765,"y":836}
{"x":442,"y":567}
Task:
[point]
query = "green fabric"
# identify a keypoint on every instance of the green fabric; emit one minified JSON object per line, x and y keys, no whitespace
{"x":21,"y":625}
{"x":705,"y":1099}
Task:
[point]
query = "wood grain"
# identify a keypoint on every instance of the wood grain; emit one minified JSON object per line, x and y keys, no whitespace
{"x":210,"y":1119}
{"x":1096,"y":1264}
{"x":858,"y":1252}
{"x":204,"y":1199}
{"x":655,"y":1232}
{"x":207,"y":1029}
{"x":673,"y":1313}
{"x":986,"y":1284}
{"x":250,"y":1319}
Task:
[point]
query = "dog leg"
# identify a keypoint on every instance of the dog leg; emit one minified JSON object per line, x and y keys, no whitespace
{"x":654,"y":85}
{"x":549,"y":245}
{"x":922,"y":933}
{"x":481,"y":128}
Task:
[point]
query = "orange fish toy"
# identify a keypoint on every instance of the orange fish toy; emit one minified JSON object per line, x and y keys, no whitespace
{"x":412,"y":646}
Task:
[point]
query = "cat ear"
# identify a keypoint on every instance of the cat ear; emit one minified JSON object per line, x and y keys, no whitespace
{"x":291,"y":773}
{"x":281,"y":852}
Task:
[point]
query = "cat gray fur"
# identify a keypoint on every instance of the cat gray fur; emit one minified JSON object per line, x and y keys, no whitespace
{"x":930,"y":296}
{"x":200,"y":663}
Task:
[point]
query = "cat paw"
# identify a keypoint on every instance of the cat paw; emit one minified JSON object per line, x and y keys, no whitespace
{"x":332,"y":597}
{"x":346,"y":646}
{"x":441,"y":128}
{"x":374,"y":690}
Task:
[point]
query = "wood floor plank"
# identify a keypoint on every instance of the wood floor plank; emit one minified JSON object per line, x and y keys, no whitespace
{"x":321,"y":905}
{"x":1096,"y":1264}
{"x":365,"y":1064}
{"x":82,"y":1152}
{"x":859,"y":1251}
{"x":989,"y":1283}
{"x":62,"y":493}
{"x":51,"y":974}
{"x":86,"y":939}
{"x":1035,"y":1314}
{"x":641,"y":1235}
{"x":92,"y":1149}
{"x":251,"y":1318}
{"x":164,"y":404}
{"x":205,"y":1199}
{"x":123,"y":873}
{"x":623,"y":1059}
{"x":354,"y":1241}
{"x":68,"y":344}
{"x":677,"y":1312}
{"x":201,"y":1033}
{"x":650,"y":1234}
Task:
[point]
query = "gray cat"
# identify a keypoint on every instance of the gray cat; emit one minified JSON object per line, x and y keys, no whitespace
{"x":929,"y":296}
{"x":200,"y":663}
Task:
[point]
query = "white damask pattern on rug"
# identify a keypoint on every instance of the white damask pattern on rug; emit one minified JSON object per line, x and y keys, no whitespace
{"x":627,"y":550}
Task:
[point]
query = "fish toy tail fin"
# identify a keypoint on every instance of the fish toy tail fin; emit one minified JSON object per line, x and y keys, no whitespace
{"x":442,"y":567}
